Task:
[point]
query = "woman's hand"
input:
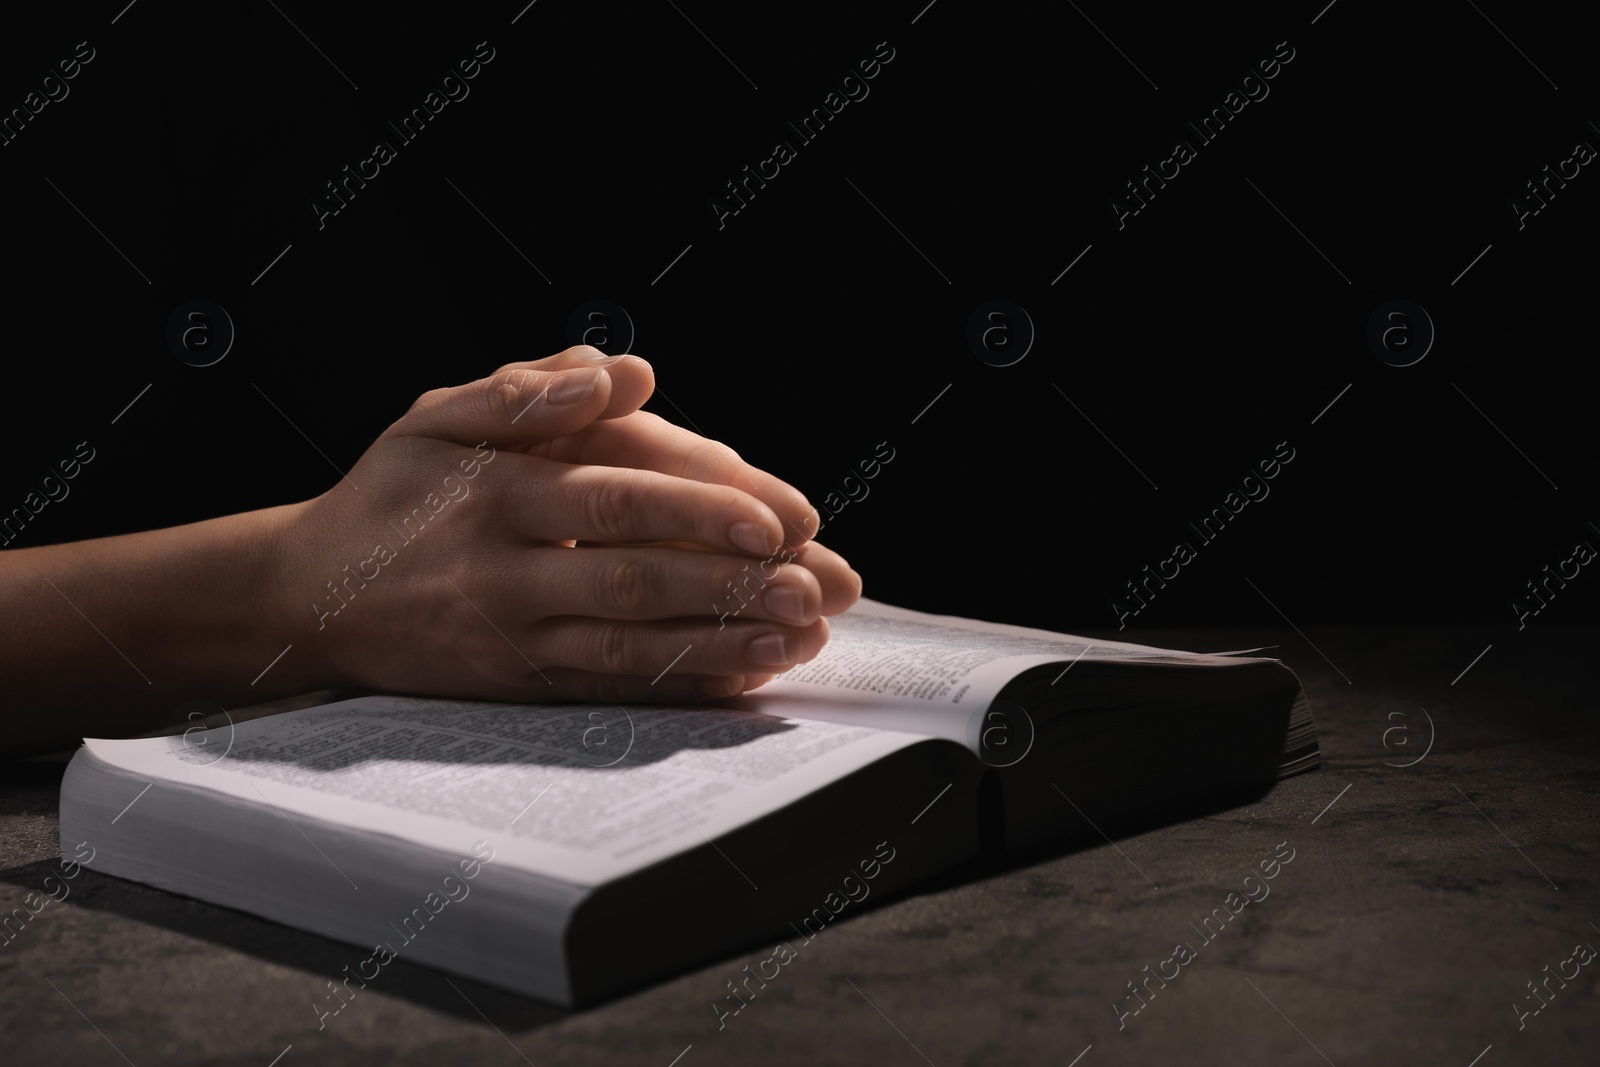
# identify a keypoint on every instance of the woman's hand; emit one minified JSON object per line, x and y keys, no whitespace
{"x":447,"y":561}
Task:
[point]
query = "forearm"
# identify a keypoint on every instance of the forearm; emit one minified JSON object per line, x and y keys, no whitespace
{"x":107,"y":637}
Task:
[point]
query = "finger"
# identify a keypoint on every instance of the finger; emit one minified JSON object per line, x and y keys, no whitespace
{"x":632,"y":379}
{"x":840,"y":585}
{"x":642,"y":584}
{"x":648,"y":441}
{"x":673,"y":646}
{"x":512,"y":409}
{"x":544,"y":500}
{"x":559,"y":685}
{"x":489,"y":410}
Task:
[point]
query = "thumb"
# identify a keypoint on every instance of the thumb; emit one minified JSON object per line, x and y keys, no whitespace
{"x":511,"y":409}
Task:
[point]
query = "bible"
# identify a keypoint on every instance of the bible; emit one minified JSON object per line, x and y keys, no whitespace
{"x":573,"y":852}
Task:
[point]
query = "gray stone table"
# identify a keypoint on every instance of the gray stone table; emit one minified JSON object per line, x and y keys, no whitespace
{"x":1419,"y":903}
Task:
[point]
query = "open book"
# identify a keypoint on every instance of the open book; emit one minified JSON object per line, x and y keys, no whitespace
{"x":572,"y":852}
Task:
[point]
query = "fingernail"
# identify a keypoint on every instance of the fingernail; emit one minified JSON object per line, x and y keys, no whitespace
{"x":767,"y":650}
{"x":721,"y":687}
{"x":750,"y":537}
{"x":574,"y":386}
{"x":594,"y":355}
{"x":787,"y":602}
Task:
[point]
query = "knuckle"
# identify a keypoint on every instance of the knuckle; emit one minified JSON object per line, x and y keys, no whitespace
{"x":429,"y":401}
{"x":699,"y":461}
{"x":710,"y":507}
{"x":498,"y":499}
{"x":611,"y":506}
{"x":728,"y":497}
{"x":630,"y":587}
{"x":615,"y":649}
{"x":503,"y":393}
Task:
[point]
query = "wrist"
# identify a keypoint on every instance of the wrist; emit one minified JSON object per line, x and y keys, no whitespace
{"x":292,"y":601}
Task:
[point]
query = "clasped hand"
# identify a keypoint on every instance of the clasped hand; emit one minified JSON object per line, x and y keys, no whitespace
{"x":534,"y":536}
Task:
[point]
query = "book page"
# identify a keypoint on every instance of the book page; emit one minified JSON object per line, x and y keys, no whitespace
{"x":580,"y":793}
{"x":897,"y":669}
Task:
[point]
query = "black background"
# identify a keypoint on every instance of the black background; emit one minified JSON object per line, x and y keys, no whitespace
{"x":815,"y":324}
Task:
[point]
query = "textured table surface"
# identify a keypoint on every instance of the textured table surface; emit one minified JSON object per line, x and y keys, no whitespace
{"x":1419,"y":903}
